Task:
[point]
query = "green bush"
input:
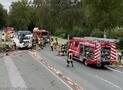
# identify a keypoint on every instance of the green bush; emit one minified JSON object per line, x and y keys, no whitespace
{"x":115,"y":33}
{"x":120,"y":44}
{"x":97,"y":33}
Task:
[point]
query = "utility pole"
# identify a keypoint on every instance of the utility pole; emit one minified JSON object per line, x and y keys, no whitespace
{"x":68,"y":37}
{"x":104,"y":34}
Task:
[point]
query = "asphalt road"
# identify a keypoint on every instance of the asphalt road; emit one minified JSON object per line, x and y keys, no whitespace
{"x":22,"y":71}
{"x":89,"y":78}
{"x":19,"y":71}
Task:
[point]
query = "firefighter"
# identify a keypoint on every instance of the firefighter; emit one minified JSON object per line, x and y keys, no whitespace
{"x":44,"y":41}
{"x":51,"y":44}
{"x":33,"y":44}
{"x":62,"y":49}
{"x":8,"y":46}
{"x":56,"y":43}
{"x":3,"y":36}
{"x":15,"y":46}
{"x":119,"y":57}
{"x":39,"y":43}
{"x":56,"y":40}
{"x":70,"y":58}
{"x":66,"y":48}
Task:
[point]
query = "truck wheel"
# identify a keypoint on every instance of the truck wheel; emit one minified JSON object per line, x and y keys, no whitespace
{"x":99,"y":65}
{"x":85,"y":62}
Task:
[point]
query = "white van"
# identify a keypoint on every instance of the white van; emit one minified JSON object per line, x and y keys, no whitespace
{"x":23,"y":39}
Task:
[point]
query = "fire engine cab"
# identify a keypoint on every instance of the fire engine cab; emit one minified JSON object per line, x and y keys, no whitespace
{"x":41,"y":34}
{"x":94,"y":51}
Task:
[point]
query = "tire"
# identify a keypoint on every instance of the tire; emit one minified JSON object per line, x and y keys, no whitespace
{"x":99,"y":65}
{"x":85,"y":62}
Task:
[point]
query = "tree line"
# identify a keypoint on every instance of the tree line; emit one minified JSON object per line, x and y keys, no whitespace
{"x":63,"y":17}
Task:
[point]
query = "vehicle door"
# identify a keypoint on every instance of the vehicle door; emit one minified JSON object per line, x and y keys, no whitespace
{"x":88,"y":52}
{"x":76,"y":48}
{"x":81,"y":51}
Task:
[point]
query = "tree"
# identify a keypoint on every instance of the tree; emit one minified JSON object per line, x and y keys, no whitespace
{"x":3,"y":16}
{"x":104,"y":14}
{"x":75,"y":17}
{"x":41,"y":14}
{"x":116,"y":33}
{"x":120,"y":44}
{"x":19,"y":15}
{"x":97,"y":33}
{"x":66,"y":14}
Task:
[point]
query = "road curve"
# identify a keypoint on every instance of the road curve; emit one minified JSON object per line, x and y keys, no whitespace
{"x":90,"y":78}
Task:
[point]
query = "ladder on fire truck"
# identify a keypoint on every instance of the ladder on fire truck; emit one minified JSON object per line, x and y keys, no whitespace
{"x":98,"y":40}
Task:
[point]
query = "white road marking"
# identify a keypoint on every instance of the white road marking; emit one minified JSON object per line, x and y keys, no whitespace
{"x":109,"y":82}
{"x":14,"y":75}
{"x":114,"y":70}
{"x":54,"y":74}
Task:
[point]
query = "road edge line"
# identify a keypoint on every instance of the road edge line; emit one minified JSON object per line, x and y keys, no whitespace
{"x":114,"y":69}
{"x":54,"y":74}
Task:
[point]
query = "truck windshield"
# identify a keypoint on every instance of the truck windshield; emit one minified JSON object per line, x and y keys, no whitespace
{"x":44,"y":33}
{"x":23,"y":36}
{"x":24,"y":32}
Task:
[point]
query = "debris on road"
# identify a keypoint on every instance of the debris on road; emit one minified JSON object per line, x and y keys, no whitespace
{"x":67,"y":79}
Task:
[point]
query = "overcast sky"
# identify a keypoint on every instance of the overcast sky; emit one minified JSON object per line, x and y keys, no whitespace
{"x":6,"y":3}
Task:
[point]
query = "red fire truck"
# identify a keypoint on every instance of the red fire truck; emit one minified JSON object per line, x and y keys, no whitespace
{"x":41,"y":34}
{"x":96,"y":51}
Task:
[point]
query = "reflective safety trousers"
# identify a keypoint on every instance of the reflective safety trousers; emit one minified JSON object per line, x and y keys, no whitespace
{"x":70,"y":56}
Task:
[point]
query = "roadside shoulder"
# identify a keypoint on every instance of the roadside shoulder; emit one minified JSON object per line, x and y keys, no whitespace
{"x":119,"y":68}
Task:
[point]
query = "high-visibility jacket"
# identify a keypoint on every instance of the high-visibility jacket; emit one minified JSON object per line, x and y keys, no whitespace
{"x":70,"y":56}
{"x":9,"y":44}
{"x":3,"y":36}
{"x":62,"y":47}
{"x":51,"y":43}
